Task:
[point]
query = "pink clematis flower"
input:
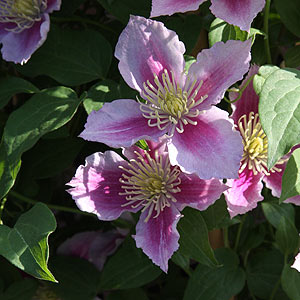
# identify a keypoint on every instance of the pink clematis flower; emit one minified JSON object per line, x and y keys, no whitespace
{"x":245,"y":192}
{"x":94,"y":246}
{"x":108,"y":185}
{"x":24,"y":25}
{"x":236,"y":12}
{"x":201,"y":136}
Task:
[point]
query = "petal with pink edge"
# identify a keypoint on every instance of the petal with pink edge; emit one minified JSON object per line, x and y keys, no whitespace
{"x":159,"y":237}
{"x":237,"y":12}
{"x":244,"y":193}
{"x":18,"y":47}
{"x":249,"y":100}
{"x":170,"y":7}
{"x":218,"y":68}
{"x":119,"y":123}
{"x":198,"y":193}
{"x":296,"y":264}
{"x":147,"y":47}
{"x":212,"y":148}
{"x":96,"y":186}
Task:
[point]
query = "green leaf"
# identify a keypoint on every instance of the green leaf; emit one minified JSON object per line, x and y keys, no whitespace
{"x":279,"y":112}
{"x":128,"y":295}
{"x":122,"y":9}
{"x":71,"y":57}
{"x":263,"y":271}
{"x":274,"y":211}
{"x":222,"y":31}
{"x":287,"y":236}
{"x":128,"y":268}
{"x":290,"y":281}
{"x":26,"y":245}
{"x":216,"y":215}
{"x":13,"y":85}
{"x":194,"y":242}
{"x":23,"y":289}
{"x":78,"y":279}
{"x":189,"y":60}
{"x":181,"y":260}
{"x":261,"y":76}
{"x":44,"y":112}
{"x":216,"y":283}
{"x":291,"y":177}
{"x":292,"y":57}
{"x":289,"y":11}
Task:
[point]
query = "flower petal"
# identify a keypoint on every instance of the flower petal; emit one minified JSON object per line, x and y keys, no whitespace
{"x":159,"y":237}
{"x":96,"y":186}
{"x":218,"y":68}
{"x":18,"y":47}
{"x":244,"y":193}
{"x":198,"y":193}
{"x":296,"y":264}
{"x":237,"y":12}
{"x":212,"y":148}
{"x":53,"y":5}
{"x":119,"y":123}
{"x":147,"y":47}
{"x":169,"y":7}
{"x":249,"y":100}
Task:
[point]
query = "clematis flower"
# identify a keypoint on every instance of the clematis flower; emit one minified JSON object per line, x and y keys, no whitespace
{"x":108,"y":185}
{"x":24,"y":25}
{"x":201,"y":136}
{"x":296,"y":264}
{"x":236,"y":12}
{"x":245,"y":192}
{"x":94,"y":246}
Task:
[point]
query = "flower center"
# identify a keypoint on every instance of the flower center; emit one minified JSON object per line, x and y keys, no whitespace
{"x":150,"y":183}
{"x":255,"y":143}
{"x":21,"y":12}
{"x":168,"y":106}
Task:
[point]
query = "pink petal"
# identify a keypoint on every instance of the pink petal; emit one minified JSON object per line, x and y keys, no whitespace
{"x":159,"y":237}
{"x":198,"y":193}
{"x":96,"y":186}
{"x":93,"y":246}
{"x":249,"y":100}
{"x":147,"y":47}
{"x":220,"y":67}
{"x":169,"y":7}
{"x":18,"y":47}
{"x":53,"y":5}
{"x":212,"y":148}
{"x":119,"y":123}
{"x":237,"y":12}
{"x":296,"y":264}
{"x":244,"y":193}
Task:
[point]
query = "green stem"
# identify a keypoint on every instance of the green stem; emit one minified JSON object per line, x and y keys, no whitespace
{"x":239,"y":233}
{"x":82,"y":20}
{"x":1,"y":209}
{"x":226,"y":240}
{"x":266,"y":30}
{"x":51,"y":206}
{"x":275,"y":289}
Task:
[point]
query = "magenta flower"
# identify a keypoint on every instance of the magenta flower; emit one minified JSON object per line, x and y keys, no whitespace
{"x":94,"y":246}
{"x":236,"y":12}
{"x":108,"y":185}
{"x":24,"y":25}
{"x":201,"y":136}
{"x":245,"y":192}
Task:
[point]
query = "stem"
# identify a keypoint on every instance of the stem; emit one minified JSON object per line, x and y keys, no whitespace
{"x":1,"y":209}
{"x":82,"y":20}
{"x":239,"y":233}
{"x":275,"y":289}
{"x":266,"y":30}
{"x":51,"y":206}
{"x":226,"y":240}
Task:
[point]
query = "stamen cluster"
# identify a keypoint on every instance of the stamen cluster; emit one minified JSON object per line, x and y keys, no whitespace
{"x":168,"y":105}
{"x":150,"y":182}
{"x":21,"y":12}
